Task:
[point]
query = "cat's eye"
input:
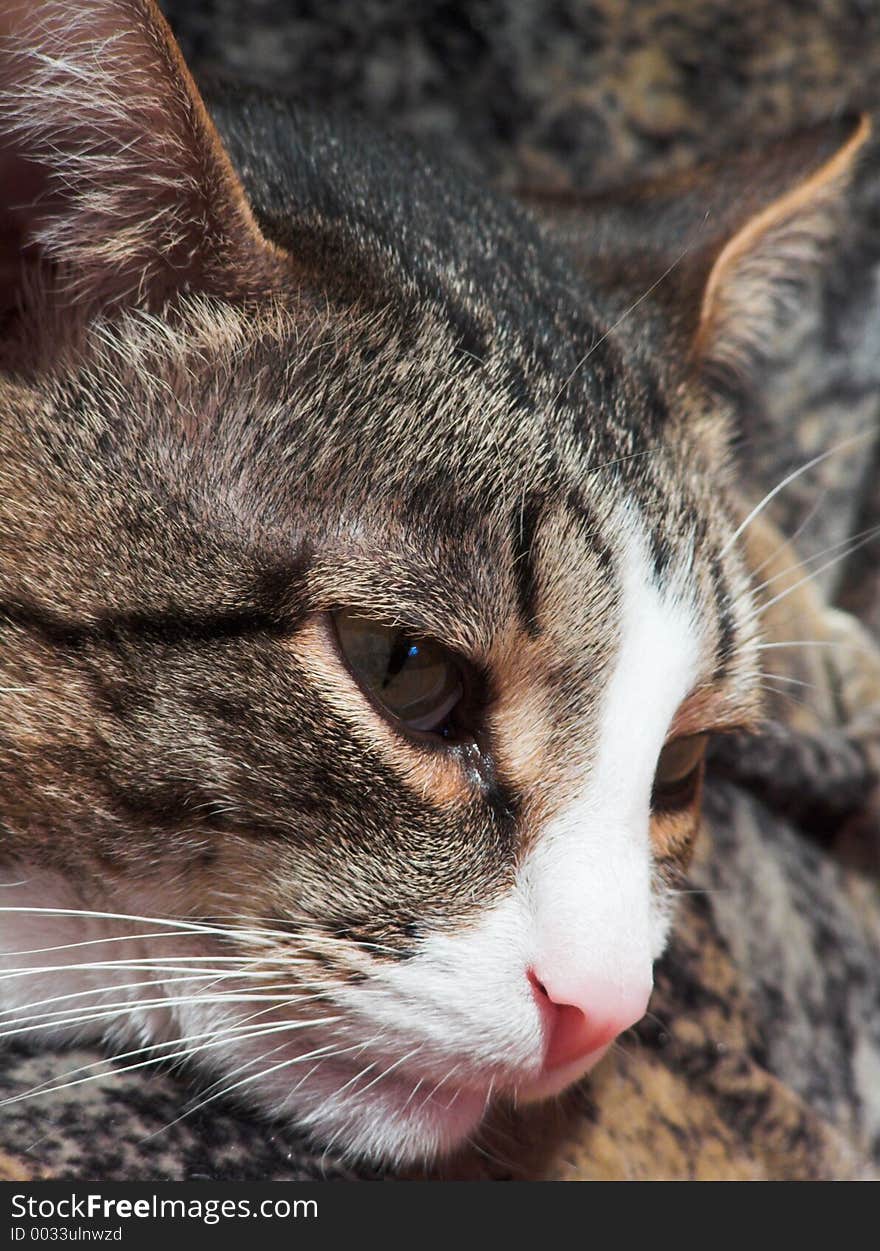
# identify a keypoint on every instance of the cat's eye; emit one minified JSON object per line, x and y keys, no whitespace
{"x":416,"y":680}
{"x":678,"y":773}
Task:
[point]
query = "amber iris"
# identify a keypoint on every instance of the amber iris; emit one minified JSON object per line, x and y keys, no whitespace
{"x":416,"y":680}
{"x":678,"y":773}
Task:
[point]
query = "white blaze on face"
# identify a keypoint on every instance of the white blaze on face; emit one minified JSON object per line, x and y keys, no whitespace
{"x":581,"y":920}
{"x":596,"y":929}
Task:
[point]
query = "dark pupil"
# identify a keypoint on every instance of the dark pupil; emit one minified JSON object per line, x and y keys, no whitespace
{"x":402,"y":651}
{"x":414,"y":679}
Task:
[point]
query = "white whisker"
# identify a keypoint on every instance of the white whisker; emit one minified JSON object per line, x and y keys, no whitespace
{"x":282,"y":991}
{"x":806,"y":561}
{"x":132,"y":965}
{"x":91,"y":942}
{"x":215,"y":1041}
{"x":783,"y":677}
{"x":791,"y":539}
{"x":796,"y":473}
{"x":834,"y":643}
{"x":759,"y":612}
{"x":227,"y":1090}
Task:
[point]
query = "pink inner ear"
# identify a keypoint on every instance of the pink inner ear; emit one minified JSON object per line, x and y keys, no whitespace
{"x":112,"y":176}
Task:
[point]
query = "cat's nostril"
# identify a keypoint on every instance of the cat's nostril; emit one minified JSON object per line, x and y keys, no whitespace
{"x":577,"y":1030}
{"x":537,"y":985}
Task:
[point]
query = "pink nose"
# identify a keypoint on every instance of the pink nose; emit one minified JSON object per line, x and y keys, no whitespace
{"x":576,"y":1030}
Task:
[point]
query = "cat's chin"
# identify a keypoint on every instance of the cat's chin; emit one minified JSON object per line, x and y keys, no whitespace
{"x":417,"y":1121}
{"x":397,"y":1126}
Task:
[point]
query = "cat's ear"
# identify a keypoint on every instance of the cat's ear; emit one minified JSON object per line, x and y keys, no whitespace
{"x":114,"y":185}
{"x":760,"y":267}
{"x":710,"y":261}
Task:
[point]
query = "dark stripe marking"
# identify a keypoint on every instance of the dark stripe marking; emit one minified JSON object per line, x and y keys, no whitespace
{"x":273,"y":605}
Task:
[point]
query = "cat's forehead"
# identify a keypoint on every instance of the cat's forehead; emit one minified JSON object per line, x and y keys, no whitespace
{"x":421,"y":480}
{"x":391,"y":397}
{"x":409,"y":442}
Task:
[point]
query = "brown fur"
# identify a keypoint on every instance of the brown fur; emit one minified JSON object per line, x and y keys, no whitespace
{"x":225,"y":445}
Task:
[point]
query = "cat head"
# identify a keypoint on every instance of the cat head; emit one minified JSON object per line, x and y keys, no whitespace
{"x":369,"y":582}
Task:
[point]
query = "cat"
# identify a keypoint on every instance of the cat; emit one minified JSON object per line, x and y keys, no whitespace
{"x":371,"y":583}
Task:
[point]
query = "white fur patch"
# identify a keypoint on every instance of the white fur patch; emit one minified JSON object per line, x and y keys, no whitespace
{"x":588,"y":878}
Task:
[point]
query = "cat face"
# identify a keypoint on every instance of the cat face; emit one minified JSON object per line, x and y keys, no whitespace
{"x":213,"y":752}
{"x":369,"y":589}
